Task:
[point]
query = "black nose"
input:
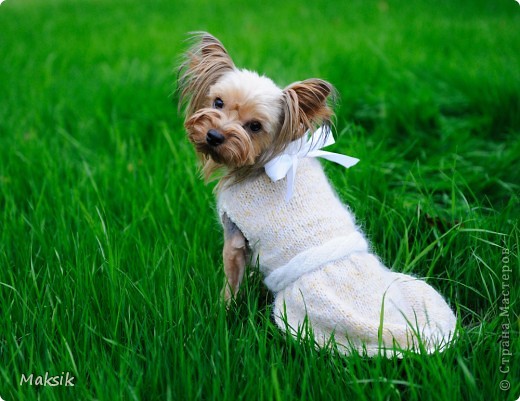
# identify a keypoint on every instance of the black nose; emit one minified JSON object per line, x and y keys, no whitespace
{"x":214,"y":138}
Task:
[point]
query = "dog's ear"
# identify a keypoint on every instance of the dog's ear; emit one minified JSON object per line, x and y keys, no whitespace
{"x":307,"y":105}
{"x":204,"y":63}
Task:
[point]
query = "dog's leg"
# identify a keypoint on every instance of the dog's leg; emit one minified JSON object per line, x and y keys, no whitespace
{"x":234,"y":254}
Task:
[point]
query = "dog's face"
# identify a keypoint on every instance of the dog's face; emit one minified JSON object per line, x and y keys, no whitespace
{"x":238,"y":119}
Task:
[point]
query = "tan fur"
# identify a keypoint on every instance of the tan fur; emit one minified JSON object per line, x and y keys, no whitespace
{"x":204,"y":63}
{"x":207,"y":73}
{"x":234,"y":255}
{"x":305,"y":108}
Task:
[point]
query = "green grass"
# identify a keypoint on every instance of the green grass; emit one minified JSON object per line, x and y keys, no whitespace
{"x":110,"y":263}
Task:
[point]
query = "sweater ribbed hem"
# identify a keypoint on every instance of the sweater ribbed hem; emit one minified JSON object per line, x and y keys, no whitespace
{"x":314,"y":258}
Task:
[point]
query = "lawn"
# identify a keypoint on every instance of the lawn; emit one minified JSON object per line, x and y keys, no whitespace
{"x":110,"y":248}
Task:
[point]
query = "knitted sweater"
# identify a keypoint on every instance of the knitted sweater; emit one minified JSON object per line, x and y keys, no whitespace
{"x":320,"y":268}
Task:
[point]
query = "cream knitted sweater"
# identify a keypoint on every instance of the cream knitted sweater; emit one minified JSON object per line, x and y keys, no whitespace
{"x":319,"y":266}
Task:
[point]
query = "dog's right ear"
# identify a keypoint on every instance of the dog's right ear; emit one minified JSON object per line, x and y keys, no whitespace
{"x":307,"y":105}
{"x":204,"y":63}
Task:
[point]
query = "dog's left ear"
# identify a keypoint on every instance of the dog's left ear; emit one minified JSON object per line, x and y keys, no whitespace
{"x":204,"y":63}
{"x":307,"y":105}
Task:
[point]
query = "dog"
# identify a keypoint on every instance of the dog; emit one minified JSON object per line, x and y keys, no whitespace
{"x":277,"y":206}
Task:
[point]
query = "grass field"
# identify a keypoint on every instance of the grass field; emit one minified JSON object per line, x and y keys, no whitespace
{"x":110,"y":264}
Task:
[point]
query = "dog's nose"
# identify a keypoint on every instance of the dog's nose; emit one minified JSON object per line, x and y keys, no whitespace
{"x":214,"y":138}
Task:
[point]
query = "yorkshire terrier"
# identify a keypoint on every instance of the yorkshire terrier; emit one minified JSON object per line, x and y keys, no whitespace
{"x":277,"y":207}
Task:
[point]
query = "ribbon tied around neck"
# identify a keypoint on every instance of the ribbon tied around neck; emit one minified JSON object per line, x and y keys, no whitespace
{"x":285,"y":164}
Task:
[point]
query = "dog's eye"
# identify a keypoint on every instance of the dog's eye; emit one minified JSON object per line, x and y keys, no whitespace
{"x":255,"y":126}
{"x":218,"y":103}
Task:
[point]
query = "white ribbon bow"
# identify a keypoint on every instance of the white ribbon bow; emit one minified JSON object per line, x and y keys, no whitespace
{"x":285,"y":164}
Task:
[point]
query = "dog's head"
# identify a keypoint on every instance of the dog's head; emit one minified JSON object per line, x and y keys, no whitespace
{"x":238,"y":119}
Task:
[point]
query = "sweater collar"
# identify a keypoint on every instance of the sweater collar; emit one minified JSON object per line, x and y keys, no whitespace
{"x":309,"y":145}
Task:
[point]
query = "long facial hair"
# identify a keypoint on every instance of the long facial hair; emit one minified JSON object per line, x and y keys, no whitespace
{"x":304,"y":106}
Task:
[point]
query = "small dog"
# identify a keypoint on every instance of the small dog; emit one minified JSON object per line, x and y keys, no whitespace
{"x":277,"y":206}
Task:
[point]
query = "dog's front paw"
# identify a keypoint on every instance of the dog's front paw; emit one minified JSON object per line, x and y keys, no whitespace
{"x":227,"y":294}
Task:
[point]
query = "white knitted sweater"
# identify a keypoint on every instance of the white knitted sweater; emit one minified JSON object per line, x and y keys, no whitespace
{"x":319,"y":267}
